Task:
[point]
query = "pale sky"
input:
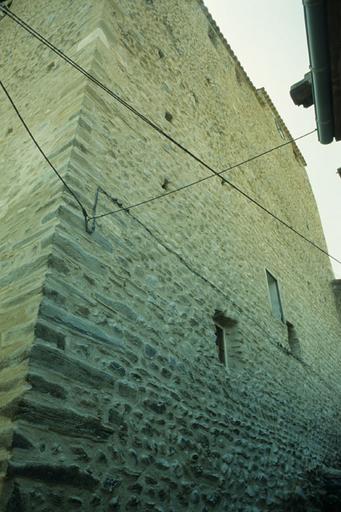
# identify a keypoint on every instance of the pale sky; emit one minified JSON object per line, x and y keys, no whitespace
{"x":269,"y":39}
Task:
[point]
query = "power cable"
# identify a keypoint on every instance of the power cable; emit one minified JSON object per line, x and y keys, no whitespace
{"x":114,"y":95}
{"x":151,"y":123}
{"x":251,"y":199}
{"x":94,"y":217}
{"x":196,"y":182}
{"x":43,"y":154}
{"x":8,"y":4}
{"x":207,"y":281}
{"x":88,"y":75}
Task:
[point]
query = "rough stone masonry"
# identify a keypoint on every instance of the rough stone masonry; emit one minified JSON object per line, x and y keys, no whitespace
{"x":113,"y":394}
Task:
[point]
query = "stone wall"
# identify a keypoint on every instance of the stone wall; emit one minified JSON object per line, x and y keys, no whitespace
{"x":30,"y":192}
{"x":127,"y":405}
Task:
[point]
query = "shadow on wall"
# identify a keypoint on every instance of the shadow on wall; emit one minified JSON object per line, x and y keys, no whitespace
{"x":336,"y":284}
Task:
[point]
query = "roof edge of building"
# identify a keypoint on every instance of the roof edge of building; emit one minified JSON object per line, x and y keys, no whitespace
{"x":261,"y":92}
{"x":265,"y":96}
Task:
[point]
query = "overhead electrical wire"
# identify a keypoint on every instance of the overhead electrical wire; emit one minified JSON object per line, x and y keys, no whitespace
{"x":42,"y":152}
{"x":227,"y":296}
{"x":173,"y":191}
{"x":153,"y":125}
{"x":196,"y":182}
{"x":114,"y":95}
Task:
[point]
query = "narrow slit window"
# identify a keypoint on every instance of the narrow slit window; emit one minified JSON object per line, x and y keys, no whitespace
{"x":275,"y":298}
{"x":227,"y":340}
{"x":220,"y":343}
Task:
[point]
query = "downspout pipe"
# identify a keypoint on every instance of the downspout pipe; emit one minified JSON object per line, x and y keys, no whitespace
{"x":315,"y":13}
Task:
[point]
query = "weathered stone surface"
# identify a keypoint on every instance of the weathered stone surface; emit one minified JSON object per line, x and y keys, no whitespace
{"x":47,"y":333}
{"x":45,"y":356}
{"x":110,"y":337}
{"x":117,"y":368}
{"x":63,"y":420}
{"x":19,"y":440}
{"x":43,"y":386}
{"x":62,"y":475}
{"x":51,"y":312}
{"x":15,"y":502}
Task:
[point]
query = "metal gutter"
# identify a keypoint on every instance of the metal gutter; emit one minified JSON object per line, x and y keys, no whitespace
{"x":315,"y":13}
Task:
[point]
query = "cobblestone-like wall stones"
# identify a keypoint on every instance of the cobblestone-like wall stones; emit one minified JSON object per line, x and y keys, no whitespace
{"x":127,"y":406}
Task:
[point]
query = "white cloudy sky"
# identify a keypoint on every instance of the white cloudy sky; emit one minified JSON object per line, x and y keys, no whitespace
{"x":268,"y":37}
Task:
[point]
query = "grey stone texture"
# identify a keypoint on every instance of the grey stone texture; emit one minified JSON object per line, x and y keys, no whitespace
{"x":112,"y":395}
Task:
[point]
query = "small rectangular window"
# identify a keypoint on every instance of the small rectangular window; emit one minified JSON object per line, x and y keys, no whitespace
{"x":275,"y":298}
